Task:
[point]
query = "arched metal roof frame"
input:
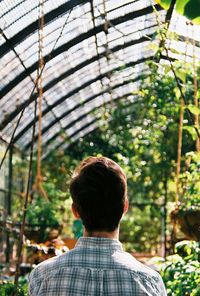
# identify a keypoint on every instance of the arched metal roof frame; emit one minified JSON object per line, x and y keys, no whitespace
{"x":19,"y":108}
{"x":10,"y":44}
{"x":87,"y":62}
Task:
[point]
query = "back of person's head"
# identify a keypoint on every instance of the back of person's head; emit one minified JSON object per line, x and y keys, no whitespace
{"x":98,"y":189}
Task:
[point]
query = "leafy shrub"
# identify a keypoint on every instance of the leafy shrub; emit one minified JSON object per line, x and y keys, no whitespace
{"x":181,"y":272}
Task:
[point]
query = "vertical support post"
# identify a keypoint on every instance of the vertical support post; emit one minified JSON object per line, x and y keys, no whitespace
{"x":9,"y":199}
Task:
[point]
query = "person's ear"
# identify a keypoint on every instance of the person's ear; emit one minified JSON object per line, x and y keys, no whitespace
{"x":126,"y":205}
{"x":74,"y":211}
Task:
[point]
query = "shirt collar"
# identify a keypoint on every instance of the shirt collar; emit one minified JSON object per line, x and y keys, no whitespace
{"x":100,"y":242}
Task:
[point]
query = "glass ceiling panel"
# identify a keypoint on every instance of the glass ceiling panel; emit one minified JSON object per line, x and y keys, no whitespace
{"x":56,"y":128}
{"x":93,"y":69}
{"x":78,"y":125}
{"x":27,"y":136}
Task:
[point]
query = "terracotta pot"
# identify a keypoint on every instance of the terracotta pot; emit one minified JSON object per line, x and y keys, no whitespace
{"x":189,"y":222}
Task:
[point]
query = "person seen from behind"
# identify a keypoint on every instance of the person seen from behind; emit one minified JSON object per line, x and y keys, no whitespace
{"x":97,"y":265}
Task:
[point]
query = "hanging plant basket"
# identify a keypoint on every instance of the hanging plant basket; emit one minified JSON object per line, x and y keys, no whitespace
{"x":189,"y":222}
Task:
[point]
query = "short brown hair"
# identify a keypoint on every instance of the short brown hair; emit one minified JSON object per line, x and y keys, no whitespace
{"x":98,"y":189}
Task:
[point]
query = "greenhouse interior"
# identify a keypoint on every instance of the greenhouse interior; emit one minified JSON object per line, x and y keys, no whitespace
{"x":119,"y":79}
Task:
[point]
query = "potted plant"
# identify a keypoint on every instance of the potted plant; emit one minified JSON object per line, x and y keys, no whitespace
{"x":187,"y":214}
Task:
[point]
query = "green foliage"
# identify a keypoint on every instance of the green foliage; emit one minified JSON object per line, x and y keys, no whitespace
{"x":44,"y":215}
{"x":43,"y":212}
{"x":8,"y":288}
{"x":134,"y":234}
{"x":190,"y":183}
{"x":181,"y":272}
{"x":189,"y":8}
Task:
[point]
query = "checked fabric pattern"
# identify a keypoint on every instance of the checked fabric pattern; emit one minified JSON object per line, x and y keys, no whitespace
{"x":95,"y":267}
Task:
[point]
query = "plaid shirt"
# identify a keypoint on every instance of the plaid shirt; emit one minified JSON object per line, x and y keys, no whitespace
{"x":95,"y":267}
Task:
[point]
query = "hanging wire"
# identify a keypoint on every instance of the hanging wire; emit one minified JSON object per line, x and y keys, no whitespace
{"x":61,"y":32}
{"x":32,"y":92}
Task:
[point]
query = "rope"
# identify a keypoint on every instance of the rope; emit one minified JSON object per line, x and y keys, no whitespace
{"x":196,"y":116}
{"x":39,"y":178}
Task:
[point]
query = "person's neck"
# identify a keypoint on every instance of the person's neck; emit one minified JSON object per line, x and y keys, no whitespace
{"x":114,"y":234}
